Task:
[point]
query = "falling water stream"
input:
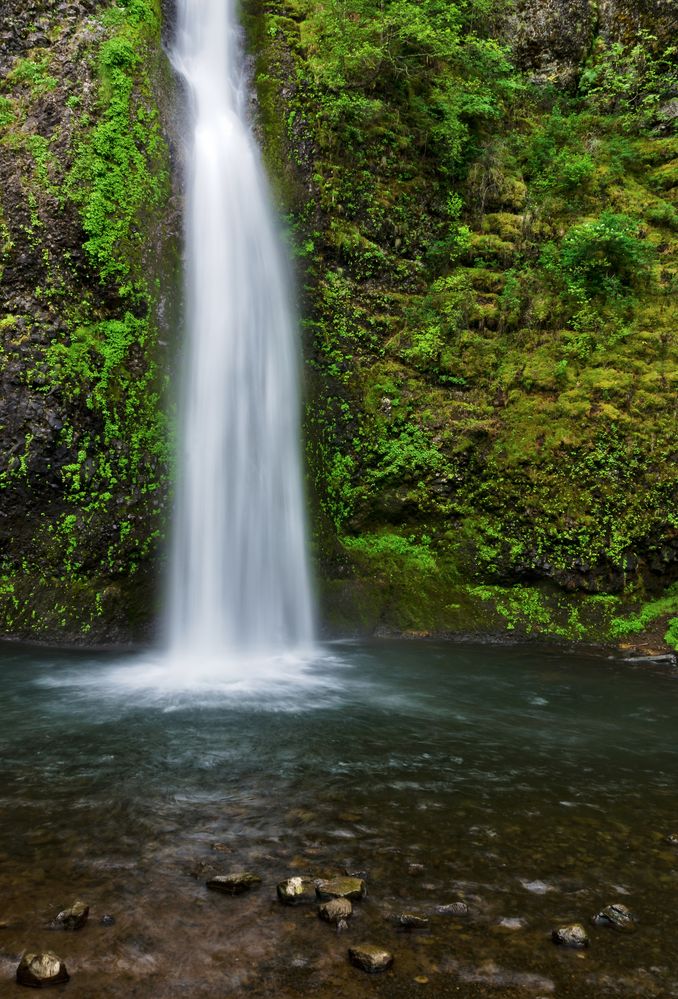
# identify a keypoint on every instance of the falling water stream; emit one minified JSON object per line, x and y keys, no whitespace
{"x":240,"y":582}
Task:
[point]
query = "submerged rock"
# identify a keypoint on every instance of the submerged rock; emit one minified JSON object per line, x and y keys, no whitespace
{"x":573,"y":935}
{"x":672,"y":839}
{"x":107,"y":920}
{"x":351,"y":888}
{"x":370,"y":959}
{"x":412,"y":921}
{"x":73,"y":918}
{"x":38,"y":971}
{"x":234,"y":884}
{"x":363,"y":875}
{"x":336,"y":911}
{"x":617,"y":915}
{"x":453,"y":909}
{"x":295,"y":891}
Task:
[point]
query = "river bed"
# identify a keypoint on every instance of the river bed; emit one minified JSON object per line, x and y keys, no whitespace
{"x":535,"y":785}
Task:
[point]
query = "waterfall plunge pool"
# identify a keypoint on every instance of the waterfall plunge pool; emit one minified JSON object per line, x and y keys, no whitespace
{"x":536,"y":786}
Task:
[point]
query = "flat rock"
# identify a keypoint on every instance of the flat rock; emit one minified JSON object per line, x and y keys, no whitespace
{"x":336,"y":911}
{"x":73,"y":918}
{"x":573,"y":935}
{"x":295,"y":891}
{"x":412,"y":921}
{"x":617,"y":915}
{"x":40,"y":970}
{"x":351,"y":888}
{"x":370,"y":959}
{"x":234,"y":884}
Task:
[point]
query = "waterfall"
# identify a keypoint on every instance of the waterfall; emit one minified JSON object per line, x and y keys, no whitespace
{"x":239,"y":576}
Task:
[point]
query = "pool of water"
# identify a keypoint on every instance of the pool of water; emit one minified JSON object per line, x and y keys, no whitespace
{"x":535,"y":785}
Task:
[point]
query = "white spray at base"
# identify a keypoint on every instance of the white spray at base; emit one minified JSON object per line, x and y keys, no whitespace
{"x":240,"y":588}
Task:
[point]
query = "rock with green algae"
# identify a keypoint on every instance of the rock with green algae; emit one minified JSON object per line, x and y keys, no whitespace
{"x":350,"y":888}
{"x":72,"y":918}
{"x":40,"y":970}
{"x":296,"y":891}
{"x":236,"y":883}
{"x":369,"y":958}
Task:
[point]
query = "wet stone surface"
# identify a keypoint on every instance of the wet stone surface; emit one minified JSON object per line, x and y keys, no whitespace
{"x":73,"y":918}
{"x":336,"y":911}
{"x":41,"y":970}
{"x":369,"y":958}
{"x":353,"y":889}
{"x":234,"y":884}
{"x":617,"y":916}
{"x":573,"y":935}
{"x":296,"y":891}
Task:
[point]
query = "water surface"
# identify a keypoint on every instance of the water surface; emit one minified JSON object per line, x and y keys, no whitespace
{"x":535,"y":785}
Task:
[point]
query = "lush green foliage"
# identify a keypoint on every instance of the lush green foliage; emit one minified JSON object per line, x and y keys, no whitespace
{"x":489,"y":270}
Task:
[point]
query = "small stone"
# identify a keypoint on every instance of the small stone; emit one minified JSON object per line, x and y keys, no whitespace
{"x":107,"y":920}
{"x":370,"y":959}
{"x":73,"y":918}
{"x":421,"y":980}
{"x":617,"y":915}
{"x":672,"y":839}
{"x":295,"y":891}
{"x":573,"y":935}
{"x":38,"y":971}
{"x":415,"y":870}
{"x":362,"y":875}
{"x":351,"y":888}
{"x":412,"y":921}
{"x":453,"y":909}
{"x":234,"y":884}
{"x":337,"y":910}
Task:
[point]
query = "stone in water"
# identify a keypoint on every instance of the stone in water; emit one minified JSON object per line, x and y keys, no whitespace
{"x":370,"y":959}
{"x":234,"y":884}
{"x":337,"y":910}
{"x":73,"y":918}
{"x":573,"y":935}
{"x":38,"y":971}
{"x":351,"y":888}
{"x":294,"y":891}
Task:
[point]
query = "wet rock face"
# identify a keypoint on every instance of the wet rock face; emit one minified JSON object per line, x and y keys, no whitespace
{"x":351,"y":888}
{"x":573,"y":935}
{"x":412,"y":921}
{"x":73,"y":918}
{"x":370,"y":959}
{"x":38,"y":971}
{"x":234,"y":884}
{"x":551,"y":39}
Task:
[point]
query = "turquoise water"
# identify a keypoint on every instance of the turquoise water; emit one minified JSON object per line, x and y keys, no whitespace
{"x":536,"y":785}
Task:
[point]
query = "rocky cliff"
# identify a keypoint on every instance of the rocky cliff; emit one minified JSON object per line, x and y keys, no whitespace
{"x":482,"y":200}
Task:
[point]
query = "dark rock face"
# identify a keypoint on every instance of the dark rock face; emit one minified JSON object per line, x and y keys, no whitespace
{"x":370,"y":959}
{"x":73,"y":918}
{"x":72,"y":520}
{"x":573,"y":935}
{"x":38,"y":971}
{"x":234,"y":884}
{"x":350,"y":888}
{"x":551,"y":40}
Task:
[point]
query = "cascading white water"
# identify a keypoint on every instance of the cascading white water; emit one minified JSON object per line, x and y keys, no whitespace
{"x":240,"y":582}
